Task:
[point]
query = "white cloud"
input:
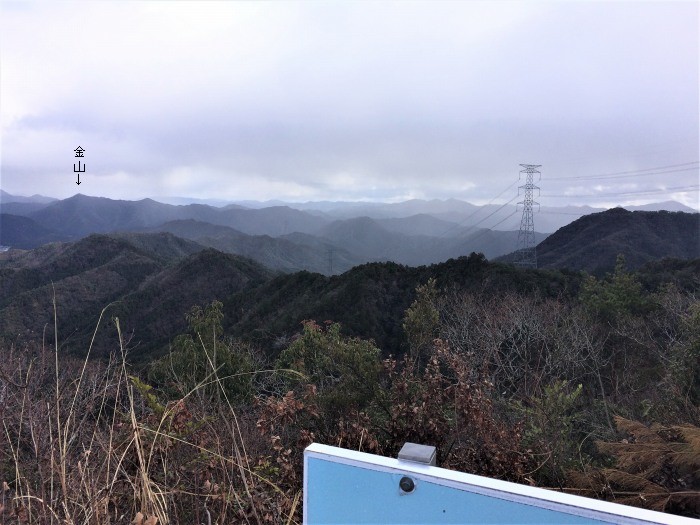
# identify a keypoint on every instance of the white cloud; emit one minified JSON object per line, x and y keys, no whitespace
{"x":345,"y":99}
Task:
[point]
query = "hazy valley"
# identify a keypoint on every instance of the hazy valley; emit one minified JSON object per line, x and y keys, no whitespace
{"x":152,"y":261}
{"x":314,"y":324}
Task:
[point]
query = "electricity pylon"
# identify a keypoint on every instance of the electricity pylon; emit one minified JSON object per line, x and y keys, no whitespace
{"x":526,"y":254}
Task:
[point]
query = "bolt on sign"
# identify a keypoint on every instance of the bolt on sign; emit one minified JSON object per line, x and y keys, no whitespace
{"x":346,"y":486}
{"x":79,"y":152}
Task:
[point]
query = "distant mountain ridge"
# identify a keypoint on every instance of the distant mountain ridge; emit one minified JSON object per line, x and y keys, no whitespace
{"x":82,"y":215}
{"x":36,"y":198}
{"x":280,"y":237}
{"x":150,"y":281}
{"x":661,"y":206}
{"x":327,"y":237}
{"x":283,"y":253}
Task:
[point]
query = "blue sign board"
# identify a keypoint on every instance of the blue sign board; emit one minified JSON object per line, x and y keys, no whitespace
{"x":345,"y":486}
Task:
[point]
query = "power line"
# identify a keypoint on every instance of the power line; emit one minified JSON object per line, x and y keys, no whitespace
{"x":478,"y":209}
{"x":601,"y":177}
{"x":482,"y":220}
{"x":619,"y":174}
{"x":548,"y":212}
{"x":632,"y":173}
{"x":677,"y":189}
{"x":489,"y":230}
{"x":502,"y":221}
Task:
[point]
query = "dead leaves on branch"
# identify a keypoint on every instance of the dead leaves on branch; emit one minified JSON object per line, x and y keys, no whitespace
{"x":655,"y":467}
{"x":444,"y":404}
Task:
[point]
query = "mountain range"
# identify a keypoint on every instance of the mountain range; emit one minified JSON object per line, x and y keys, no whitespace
{"x":322,"y":237}
{"x":151,"y":277}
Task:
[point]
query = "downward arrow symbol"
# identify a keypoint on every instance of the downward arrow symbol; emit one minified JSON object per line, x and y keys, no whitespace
{"x":78,"y":179}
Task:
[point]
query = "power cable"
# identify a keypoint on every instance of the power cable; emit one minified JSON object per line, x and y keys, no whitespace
{"x":482,"y":220}
{"x":677,"y":189}
{"x":465,"y":219}
{"x":565,"y":213}
{"x":632,"y":173}
{"x":601,"y":177}
{"x":488,"y":230}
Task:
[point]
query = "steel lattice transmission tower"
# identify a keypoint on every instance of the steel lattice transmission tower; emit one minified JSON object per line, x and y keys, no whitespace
{"x":526,"y":254}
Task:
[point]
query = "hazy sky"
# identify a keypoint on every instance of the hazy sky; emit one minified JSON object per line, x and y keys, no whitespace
{"x":351,"y":100}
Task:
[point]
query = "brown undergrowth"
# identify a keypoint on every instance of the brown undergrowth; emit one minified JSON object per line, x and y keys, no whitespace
{"x":86,"y":442}
{"x":656,"y":467}
{"x":214,"y":434}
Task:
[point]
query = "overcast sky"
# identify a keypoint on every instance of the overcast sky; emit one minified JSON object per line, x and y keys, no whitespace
{"x":379,"y":101}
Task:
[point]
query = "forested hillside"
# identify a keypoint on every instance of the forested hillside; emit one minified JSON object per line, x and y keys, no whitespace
{"x":593,"y":242}
{"x":151,"y":280}
{"x":134,"y":274}
{"x":132,"y":270}
{"x":289,"y":253}
{"x":541,"y":377}
{"x":22,"y":232}
{"x":555,"y":378}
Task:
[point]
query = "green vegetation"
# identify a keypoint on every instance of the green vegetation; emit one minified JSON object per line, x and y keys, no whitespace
{"x":587,"y":384}
{"x":421,"y":322}
{"x":619,"y":295}
{"x":344,"y":371}
{"x":204,"y":362}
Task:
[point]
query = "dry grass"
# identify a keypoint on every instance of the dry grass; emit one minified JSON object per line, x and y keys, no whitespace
{"x":85,"y":442}
{"x":88,"y":442}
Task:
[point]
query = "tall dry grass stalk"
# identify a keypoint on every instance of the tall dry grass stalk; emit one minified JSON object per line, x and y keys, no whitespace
{"x":86,"y":442}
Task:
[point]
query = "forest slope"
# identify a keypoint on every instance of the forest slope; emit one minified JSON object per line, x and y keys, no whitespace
{"x":151,"y":279}
{"x":593,"y":242}
{"x":154,"y":279}
{"x":25,"y":233}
